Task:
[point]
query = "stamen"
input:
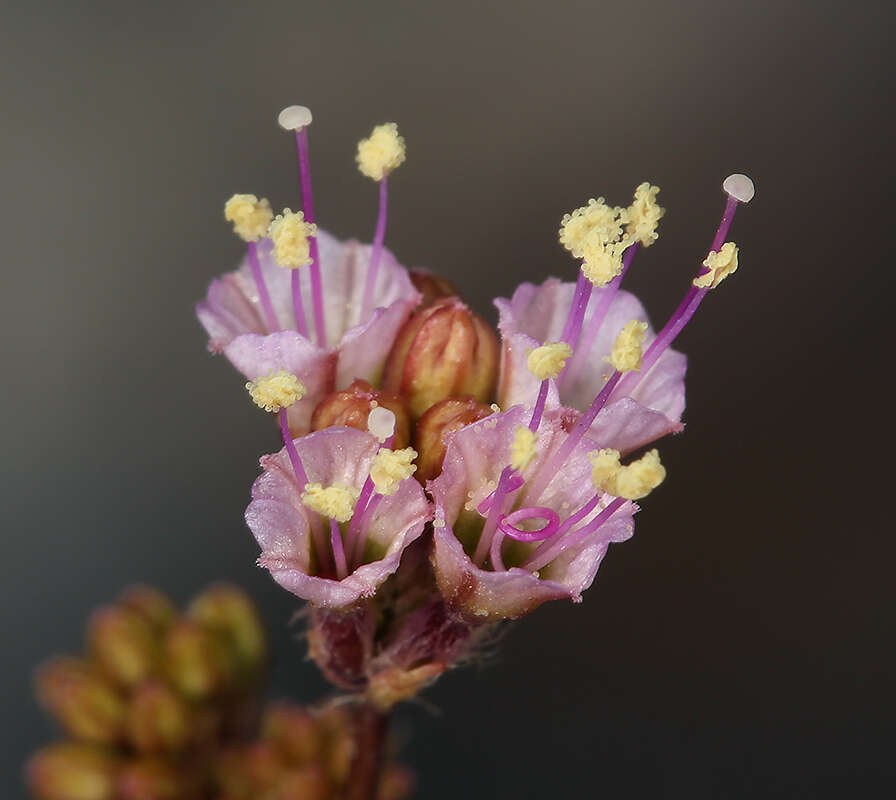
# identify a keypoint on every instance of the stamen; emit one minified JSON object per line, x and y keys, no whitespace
{"x":251,"y":217}
{"x":522,"y":449}
{"x":297,"y":119}
{"x":377,"y":156}
{"x":551,"y":524}
{"x":495,"y":511}
{"x":545,"y":362}
{"x":390,"y":467}
{"x":573,"y":327}
{"x":737,"y":187}
{"x":338,"y":551}
{"x":293,"y":237}
{"x":586,"y":341}
{"x":551,"y":548}
{"x":336,"y":502}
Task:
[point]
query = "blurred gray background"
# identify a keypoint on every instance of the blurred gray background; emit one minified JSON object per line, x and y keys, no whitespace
{"x":741,"y":644}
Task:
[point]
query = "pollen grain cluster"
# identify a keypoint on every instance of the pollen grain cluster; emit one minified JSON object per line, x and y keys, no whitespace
{"x":275,"y":391}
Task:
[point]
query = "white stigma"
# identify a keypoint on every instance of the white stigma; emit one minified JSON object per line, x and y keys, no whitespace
{"x":740,"y":187}
{"x":292,"y":118}
{"x":381,"y":423}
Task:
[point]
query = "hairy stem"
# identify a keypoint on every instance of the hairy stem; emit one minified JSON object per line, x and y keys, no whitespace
{"x":369,"y":740}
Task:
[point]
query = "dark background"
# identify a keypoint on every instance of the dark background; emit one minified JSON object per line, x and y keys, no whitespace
{"x":741,"y":644}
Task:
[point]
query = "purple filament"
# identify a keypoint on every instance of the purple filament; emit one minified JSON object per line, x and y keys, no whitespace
{"x":297,"y":466}
{"x":376,"y":251}
{"x":538,"y":411}
{"x":297,"y":308}
{"x":263,"y":296}
{"x":317,"y":291}
{"x":507,"y":525}
{"x":580,"y":298}
{"x":682,"y":315}
{"x":586,"y":342}
{"x":338,"y":552}
{"x":513,"y":483}
{"x":495,"y":510}
{"x":355,"y":541}
{"x":552,"y":548}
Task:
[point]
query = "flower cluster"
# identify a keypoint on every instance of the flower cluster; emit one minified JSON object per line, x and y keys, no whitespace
{"x":434,"y":479}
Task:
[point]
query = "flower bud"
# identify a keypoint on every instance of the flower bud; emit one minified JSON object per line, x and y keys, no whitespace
{"x":429,"y":433}
{"x":431,"y":286}
{"x":443,"y":351}
{"x":303,"y":783}
{"x":154,"y":606}
{"x":293,"y":731}
{"x":159,"y":720}
{"x":84,"y":703}
{"x":352,"y":406}
{"x":197,"y":661}
{"x":229,"y":612}
{"x":123,"y":644}
{"x":72,"y":772}
{"x":150,"y":779}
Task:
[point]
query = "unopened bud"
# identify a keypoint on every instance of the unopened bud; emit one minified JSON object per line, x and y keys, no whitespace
{"x":431,"y":286}
{"x":429,"y":433}
{"x":444,"y":351}
{"x":81,"y":699}
{"x":229,"y":612}
{"x":196,"y":660}
{"x":303,"y":783}
{"x":72,"y":772}
{"x":397,"y":783}
{"x":159,"y":719}
{"x":123,"y":644}
{"x":352,"y":406}
{"x":151,"y":779}
{"x":156,"y":607}
{"x":294,"y":732}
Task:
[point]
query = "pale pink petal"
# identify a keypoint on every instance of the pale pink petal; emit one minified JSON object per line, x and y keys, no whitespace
{"x":256,"y":356}
{"x":539,"y":313}
{"x":474,"y":459}
{"x":280,"y":522}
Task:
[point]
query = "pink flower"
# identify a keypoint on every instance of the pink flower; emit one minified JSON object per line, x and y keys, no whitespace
{"x":299,"y":547}
{"x":480,"y":570}
{"x":232,"y":315}
{"x":537,"y":314}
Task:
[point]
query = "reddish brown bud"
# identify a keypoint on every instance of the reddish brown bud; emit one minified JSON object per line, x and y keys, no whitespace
{"x":352,"y":406}
{"x":431,"y":286}
{"x":72,"y":772}
{"x":429,"y":434}
{"x":84,"y":703}
{"x":159,"y":720}
{"x":303,"y":783}
{"x":124,"y":644}
{"x":443,"y":351}
{"x":229,"y":612}
{"x":197,"y":661}
{"x":155,"y":607}
{"x":293,"y":731}
{"x":150,"y":779}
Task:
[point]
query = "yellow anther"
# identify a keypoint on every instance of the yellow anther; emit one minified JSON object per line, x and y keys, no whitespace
{"x":548,"y":360}
{"x":626,"y":353}
{"x":290,"y":234}
{"x":597,"y":218}
{"x":644,"y":215}
{"x":336,"y":502}
{"x":522,"y":451}
{"x":390,"y":467}
{"x":381,"y":152}
{"x":277,"y":390}
{"x":249,"y":215}
{"x":720,"y":266}
{"x":633,"y":481}
{"x":603,"y":260}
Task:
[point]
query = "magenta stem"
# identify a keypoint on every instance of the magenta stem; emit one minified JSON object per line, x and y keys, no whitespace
{"x":507,"y":525}
{"x":264,"y":297}
{"x":586,"y":341}
{"x":545,"y":553}
{"x":376,"y":251}
{"x":583,"y":512}
{"x":580,"y":298}
{"x":297,"y":466}
{"x":317,"y":289}
{"x":495,"y":511}
{"x":682,"y":315}
{"x":338,"y":551}
{"x":538,"y":411}
{"x":297,"y":308}
{"x":558,"y":458}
